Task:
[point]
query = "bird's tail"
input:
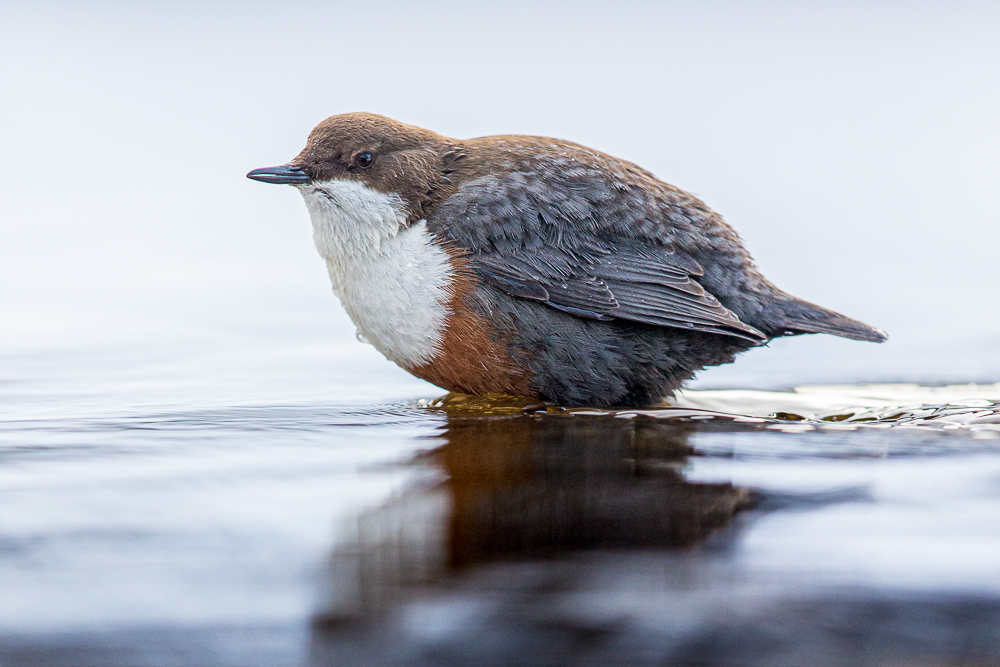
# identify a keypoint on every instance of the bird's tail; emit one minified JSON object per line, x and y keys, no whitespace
{"x":800,"y":317}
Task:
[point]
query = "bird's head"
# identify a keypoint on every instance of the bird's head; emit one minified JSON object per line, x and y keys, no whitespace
{"x":381,"y":154}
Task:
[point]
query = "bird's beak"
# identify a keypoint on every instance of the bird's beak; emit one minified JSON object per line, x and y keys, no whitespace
{"x":286,"y":174}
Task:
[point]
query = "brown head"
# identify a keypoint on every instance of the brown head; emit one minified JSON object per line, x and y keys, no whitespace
{"x":384,"y":154}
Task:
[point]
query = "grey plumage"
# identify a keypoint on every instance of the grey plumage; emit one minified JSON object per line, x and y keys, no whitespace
{"x":581,"y":361}
{"x":613,"y":286}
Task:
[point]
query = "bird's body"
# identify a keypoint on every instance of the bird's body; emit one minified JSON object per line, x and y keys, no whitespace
{"x":532,"y":266}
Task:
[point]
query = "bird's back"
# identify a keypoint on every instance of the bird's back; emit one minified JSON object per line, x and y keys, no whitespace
{"x":543,"y":210}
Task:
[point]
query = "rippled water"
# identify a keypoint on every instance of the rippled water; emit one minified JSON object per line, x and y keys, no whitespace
{"x":853,"y":524}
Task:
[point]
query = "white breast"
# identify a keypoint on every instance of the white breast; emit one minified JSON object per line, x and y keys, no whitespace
{"x":393,"y":281}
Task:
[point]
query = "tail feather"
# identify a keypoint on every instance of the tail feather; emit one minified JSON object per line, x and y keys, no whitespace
{"x":799,"y":317}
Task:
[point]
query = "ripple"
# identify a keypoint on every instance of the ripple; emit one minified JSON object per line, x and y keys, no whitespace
{"x":969,"y":409}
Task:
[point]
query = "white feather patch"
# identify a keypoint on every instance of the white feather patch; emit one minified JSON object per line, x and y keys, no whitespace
{"x":392,"y":279}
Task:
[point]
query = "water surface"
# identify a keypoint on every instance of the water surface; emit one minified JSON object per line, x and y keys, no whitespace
{"x":859,"y":523}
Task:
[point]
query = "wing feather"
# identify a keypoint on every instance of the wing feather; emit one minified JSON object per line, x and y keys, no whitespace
{"x":547,"y":245}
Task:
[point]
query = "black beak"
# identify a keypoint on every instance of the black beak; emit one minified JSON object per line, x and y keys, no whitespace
{"x":286,"y":174}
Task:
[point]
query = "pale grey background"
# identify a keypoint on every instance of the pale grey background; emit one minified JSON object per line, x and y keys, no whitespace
{"x":854,"y":146}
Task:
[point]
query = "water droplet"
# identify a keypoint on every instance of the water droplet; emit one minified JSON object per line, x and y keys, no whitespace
{"x":362,"y":338}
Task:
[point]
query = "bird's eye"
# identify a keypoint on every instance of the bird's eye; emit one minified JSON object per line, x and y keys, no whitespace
{"x":364,"y":160}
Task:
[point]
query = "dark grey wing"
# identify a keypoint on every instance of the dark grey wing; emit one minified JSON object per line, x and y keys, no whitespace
{"x":657,"y":285}
{"x":549,"y":275}
{"x":549,"y":245}
{"x":641,"y":284}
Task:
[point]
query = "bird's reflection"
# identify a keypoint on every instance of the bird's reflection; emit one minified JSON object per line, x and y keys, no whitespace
{"x":543,"y":485}
{"x":535,"y":536}
{"x":514,"y":482}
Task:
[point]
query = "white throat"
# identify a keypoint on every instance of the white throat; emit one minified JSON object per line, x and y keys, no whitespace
{"x":393,"y":280}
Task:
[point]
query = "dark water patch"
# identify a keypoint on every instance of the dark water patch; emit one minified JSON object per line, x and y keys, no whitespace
{"x":507,"y":618}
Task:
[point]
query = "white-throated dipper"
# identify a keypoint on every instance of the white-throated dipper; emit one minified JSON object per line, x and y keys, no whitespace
{"x":532,"y":266}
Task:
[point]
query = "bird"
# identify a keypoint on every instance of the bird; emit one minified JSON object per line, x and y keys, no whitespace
{"x":533,"y":266}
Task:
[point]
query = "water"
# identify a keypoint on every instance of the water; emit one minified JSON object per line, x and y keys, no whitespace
{"x":201,"y":465}
{"x":399,"y":532}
